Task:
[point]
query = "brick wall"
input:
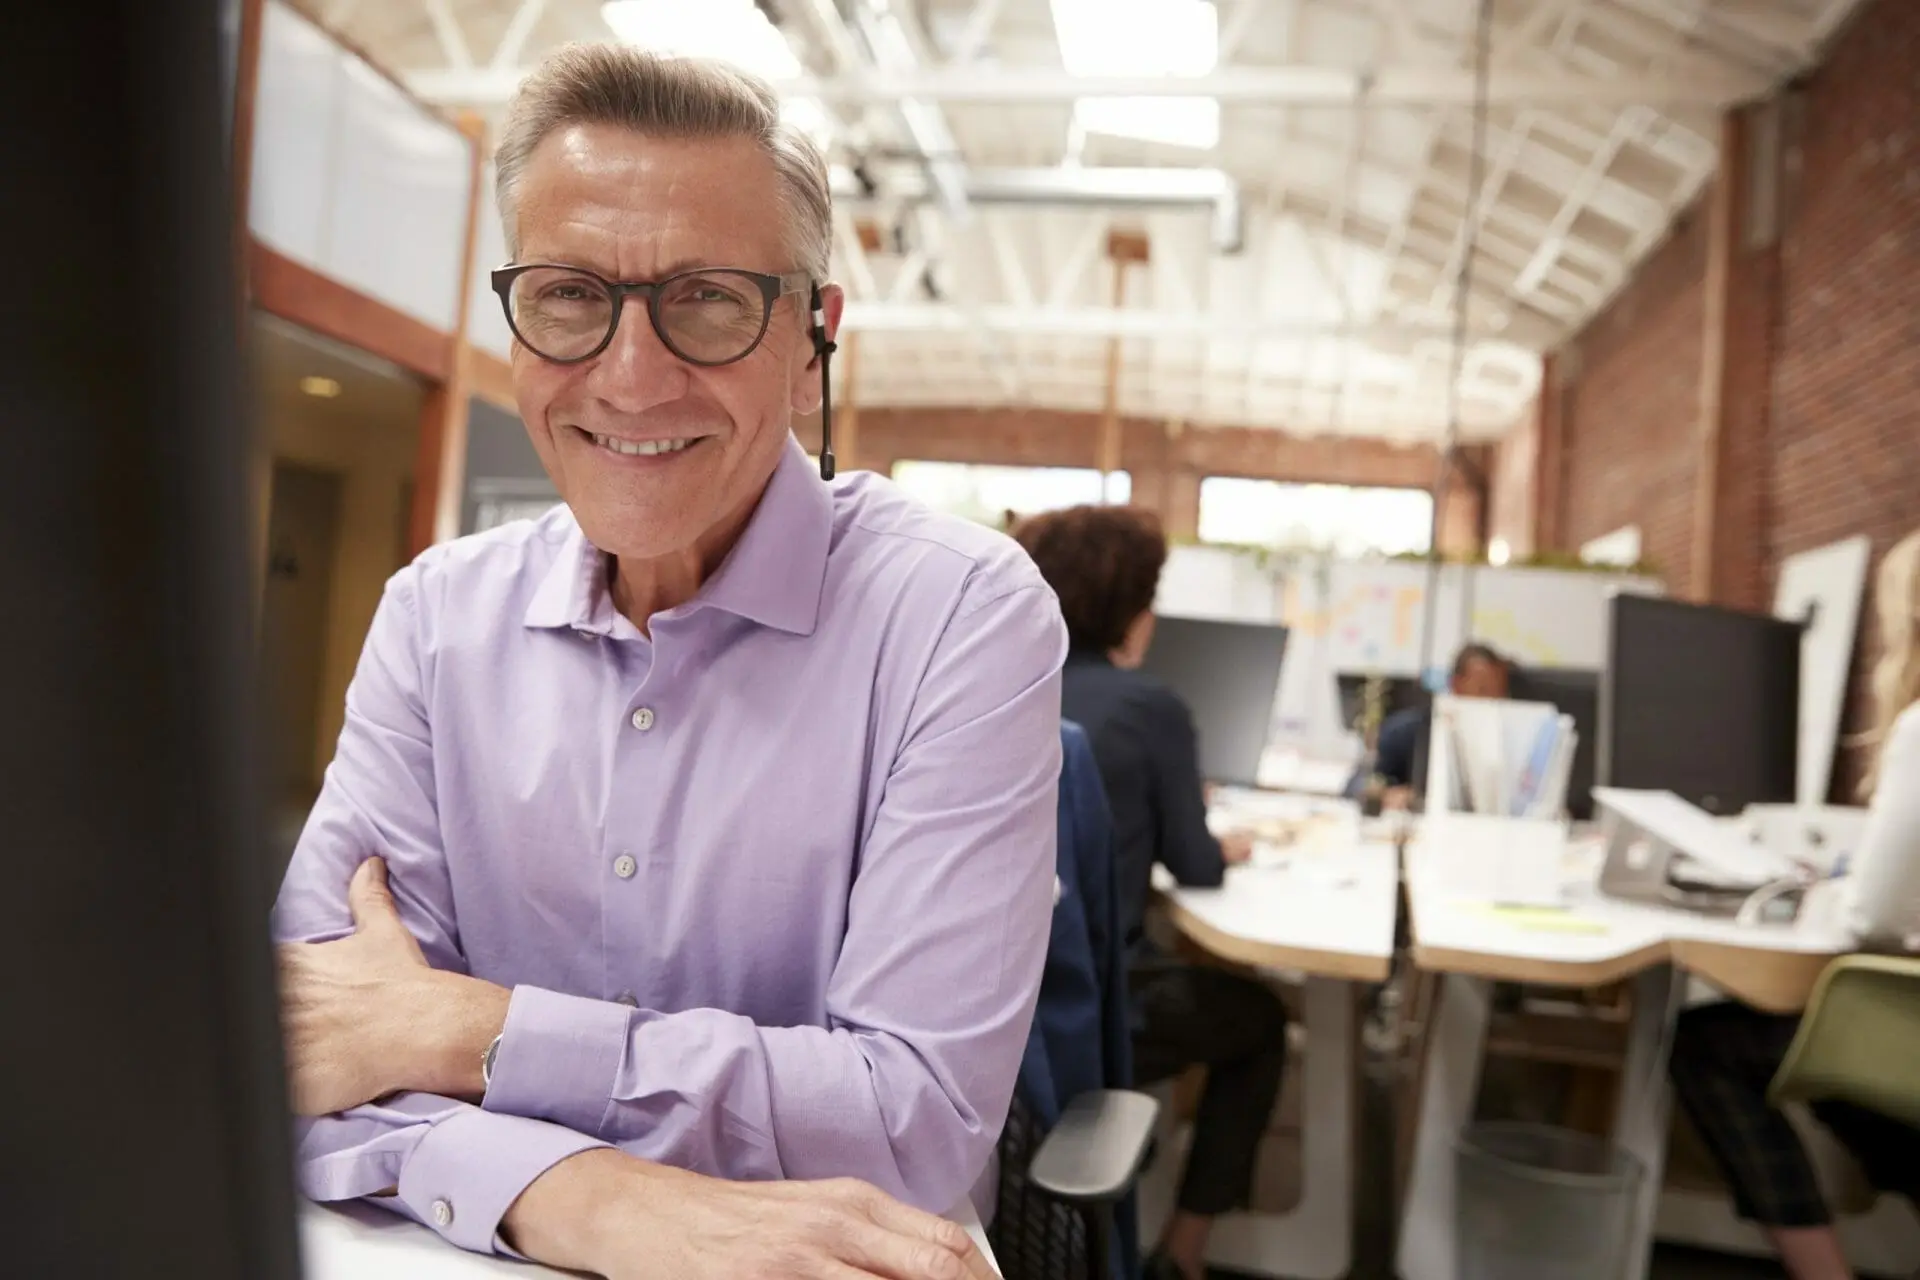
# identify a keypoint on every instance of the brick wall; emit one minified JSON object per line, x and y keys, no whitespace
{"x":1845,"y":454}
{"x":1166,"y":463}
{"x":1821,"y":387}
{"x":1631,"y":400}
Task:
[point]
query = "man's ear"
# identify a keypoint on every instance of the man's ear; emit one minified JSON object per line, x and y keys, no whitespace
{"x":805,"y":389}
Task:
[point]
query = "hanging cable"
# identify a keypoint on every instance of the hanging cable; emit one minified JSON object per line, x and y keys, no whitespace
{"x":1462,"y":293}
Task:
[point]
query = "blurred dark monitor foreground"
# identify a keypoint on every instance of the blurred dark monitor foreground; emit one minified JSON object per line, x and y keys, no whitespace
{"x":1228,"y":674}
{"x":1700,"y":701}
{"x":144,"y":1124}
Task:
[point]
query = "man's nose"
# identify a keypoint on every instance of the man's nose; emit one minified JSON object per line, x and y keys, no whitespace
{"x":637,"y":371}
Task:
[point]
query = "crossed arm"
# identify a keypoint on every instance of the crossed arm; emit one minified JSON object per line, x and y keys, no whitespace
{"x":387,"y":1031}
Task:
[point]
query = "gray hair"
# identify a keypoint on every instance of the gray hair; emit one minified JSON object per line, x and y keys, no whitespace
{"x":616,"y":84}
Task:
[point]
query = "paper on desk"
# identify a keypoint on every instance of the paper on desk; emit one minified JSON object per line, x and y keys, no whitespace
{"x":1510,"y":759}
{"x":1538,"y":919}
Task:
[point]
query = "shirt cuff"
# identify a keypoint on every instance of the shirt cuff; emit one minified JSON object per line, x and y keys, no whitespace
{"x":559,"y":1058}
{"x":470,"y":1168}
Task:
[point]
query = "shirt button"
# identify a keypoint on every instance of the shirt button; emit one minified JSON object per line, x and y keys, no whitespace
{"x":624,"y":866}
{"x":628,"y":999}
{"x":442,"y":1214}
{"x":643,"y":718}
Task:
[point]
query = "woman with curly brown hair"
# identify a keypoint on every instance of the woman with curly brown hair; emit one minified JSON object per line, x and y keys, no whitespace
{"x":1104,"y":564}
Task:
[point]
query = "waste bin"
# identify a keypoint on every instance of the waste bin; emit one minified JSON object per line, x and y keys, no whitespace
{"x":1535,"y":1201}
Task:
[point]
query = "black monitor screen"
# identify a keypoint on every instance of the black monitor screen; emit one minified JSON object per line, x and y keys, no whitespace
{"x":1576,"y":694}
{"x":1700,"y":701}
{"x":1228,"y":674}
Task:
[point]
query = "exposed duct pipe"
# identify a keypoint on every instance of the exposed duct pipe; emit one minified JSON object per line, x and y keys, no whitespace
{"x":891,"y":47}
{"x":1101,"y":187}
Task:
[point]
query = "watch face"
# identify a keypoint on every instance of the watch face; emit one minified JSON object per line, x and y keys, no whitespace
{"x":486,"y":1062}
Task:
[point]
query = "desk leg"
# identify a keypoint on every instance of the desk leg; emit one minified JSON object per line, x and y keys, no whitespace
{"x":1456,"y":1037}
{"x":1314,"y":1239}
{"x":1644,"y":1112}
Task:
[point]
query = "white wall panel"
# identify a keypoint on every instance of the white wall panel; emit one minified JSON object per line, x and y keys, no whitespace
{"x":352,"y":177}
{"x":486,"y":323}
{"x":294,"y":112}
{"x":400,"y":200}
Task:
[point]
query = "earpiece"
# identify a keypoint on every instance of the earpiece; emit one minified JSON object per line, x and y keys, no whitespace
{"x":823,"y":348}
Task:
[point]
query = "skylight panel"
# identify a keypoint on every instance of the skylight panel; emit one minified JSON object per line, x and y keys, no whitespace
{"x":734,"y":31}
{"x":1143,"y":38}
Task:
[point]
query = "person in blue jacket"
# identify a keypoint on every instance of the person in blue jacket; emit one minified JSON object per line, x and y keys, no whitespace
{"x":1104,"y":564}
{"x":1401,"y":750}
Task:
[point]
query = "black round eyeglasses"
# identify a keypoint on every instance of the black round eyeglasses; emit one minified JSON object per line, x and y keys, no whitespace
{"x":708,"y":317}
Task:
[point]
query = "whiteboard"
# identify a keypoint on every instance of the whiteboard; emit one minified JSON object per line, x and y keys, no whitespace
{"x":1830,"y":581}
{"x":1217,"y":583}
{"x":1361,"y":616}
{"x":1375,"y":615}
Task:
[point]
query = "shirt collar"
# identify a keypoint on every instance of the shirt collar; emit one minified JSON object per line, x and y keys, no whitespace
{"x":774,"y":575}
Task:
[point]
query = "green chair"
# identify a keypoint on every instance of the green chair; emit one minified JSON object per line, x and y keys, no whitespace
{"x":1859,"y":1039}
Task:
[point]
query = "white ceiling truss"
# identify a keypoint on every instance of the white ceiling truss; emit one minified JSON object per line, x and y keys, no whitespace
{"x":1302,"y":272}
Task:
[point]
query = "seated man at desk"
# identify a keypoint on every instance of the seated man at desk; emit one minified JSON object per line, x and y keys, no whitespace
{"x":1725,"y":1054}
{"x":1104,"y":563}
{"x":1400,"y":752}
{"x":689,"y":850}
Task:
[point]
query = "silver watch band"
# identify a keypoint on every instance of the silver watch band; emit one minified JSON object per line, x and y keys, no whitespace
{"x":486,"y":1062}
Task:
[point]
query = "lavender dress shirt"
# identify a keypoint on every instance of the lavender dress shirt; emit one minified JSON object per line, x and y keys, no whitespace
{"x":771,"y":889}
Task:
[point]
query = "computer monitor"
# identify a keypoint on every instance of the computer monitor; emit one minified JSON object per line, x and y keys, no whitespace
{"x":1576,"y":694}
{"x":145,"y":1129}
{"x":1228,"y":674}
{"x":1700,"y":701}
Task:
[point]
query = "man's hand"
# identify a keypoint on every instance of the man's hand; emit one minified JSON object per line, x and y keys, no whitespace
{"x":1396,"y":799}
{"x":622,"y":1218}
{"x":366,"y":1016}
{"x":1236,"y":847}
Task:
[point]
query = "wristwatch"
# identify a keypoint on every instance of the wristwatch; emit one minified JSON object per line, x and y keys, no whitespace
{"x":486,"y":1063}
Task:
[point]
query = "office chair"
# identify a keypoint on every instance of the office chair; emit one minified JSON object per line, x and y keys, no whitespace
{"x":1075,"y":1138}
{"x":1858,"y":1039}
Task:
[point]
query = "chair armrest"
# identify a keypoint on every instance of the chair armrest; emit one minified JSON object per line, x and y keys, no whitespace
{"x":1858,"y":1038}
{"x":1094,"y":1153}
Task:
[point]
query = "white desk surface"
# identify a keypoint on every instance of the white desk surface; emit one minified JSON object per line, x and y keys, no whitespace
{"x":1323,"y":905}
{"x":1592,"y":939}
{"x":361,"y":1242}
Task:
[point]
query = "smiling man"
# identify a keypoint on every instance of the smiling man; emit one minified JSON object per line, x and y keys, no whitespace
{"x":714,"y":811}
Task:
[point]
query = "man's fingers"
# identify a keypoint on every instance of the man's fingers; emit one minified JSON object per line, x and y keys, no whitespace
{"x":949,"y":1237}
{"x":368,"y":898}
{"x":898,"y":1256}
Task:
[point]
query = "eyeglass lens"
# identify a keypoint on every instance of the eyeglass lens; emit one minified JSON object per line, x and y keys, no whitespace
{"x":709,"y":317}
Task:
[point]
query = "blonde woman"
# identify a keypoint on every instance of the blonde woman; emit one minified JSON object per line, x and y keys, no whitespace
{"x":1726,"y":1054}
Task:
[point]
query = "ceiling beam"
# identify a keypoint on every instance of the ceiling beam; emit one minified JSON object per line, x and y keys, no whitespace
{"x":1234,"y":27}
{"x":978,"y":31}
{"x":1103,"y":322}
{"x":1297,"y":85}
{"x":446,"y":30}
{"x":513,"y":41}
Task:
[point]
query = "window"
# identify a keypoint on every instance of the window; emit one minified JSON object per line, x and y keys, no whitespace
{"x":737,"y":31}
{"x":1621,"y":547}
{"x":1143,"y":38}
{"x":1341,"y":519}
{"x":987,"y":493}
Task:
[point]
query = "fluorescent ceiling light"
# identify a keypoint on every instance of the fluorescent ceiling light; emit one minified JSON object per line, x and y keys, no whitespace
{"x":734,"y":31}
{"x":322,"y":388}
{"x":1143,"y":38}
